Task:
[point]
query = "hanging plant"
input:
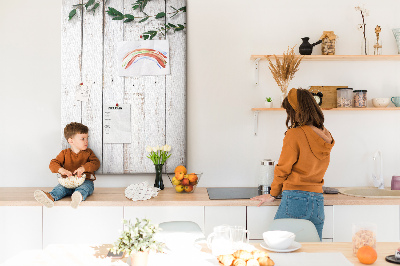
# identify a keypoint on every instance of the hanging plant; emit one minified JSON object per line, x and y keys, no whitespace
{"x":91,"y":6}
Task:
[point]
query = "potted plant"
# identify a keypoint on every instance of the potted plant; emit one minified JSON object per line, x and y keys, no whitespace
{"x":268,"y":102}
{"x":137,"y":240}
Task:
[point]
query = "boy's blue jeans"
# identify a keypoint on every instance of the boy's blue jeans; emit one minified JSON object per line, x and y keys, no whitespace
{"x":306,"y":205}
{"x":86,"y":189}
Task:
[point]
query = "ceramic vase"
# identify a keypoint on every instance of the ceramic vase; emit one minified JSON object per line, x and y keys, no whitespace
{"x":396,"y":33}
{"x":268,"y":104}
{"x":139,"y":258}
{"x":159,"y":181}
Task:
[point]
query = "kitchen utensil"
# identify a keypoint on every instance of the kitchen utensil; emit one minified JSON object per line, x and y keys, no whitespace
{"x":72,"y":181}
{"x":220,"y":240}
{"x":396,"y":101}
{"x":395,"y":184}
{"x":306,"y":47}
{"x":279,"y":239}
{"x":380,"y":102}
{"x":360,"y":98}
{"x":266,"y":176}
{"x":294,"y":246}
{"x":240,"y":236}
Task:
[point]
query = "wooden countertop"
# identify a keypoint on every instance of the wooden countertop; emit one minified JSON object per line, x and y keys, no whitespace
{"x":96,"y":254}
{"x":23,"y":196}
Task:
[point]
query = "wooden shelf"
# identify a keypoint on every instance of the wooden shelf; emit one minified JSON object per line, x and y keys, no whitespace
{"x":333,"y":109}
{"x":337,"y":57}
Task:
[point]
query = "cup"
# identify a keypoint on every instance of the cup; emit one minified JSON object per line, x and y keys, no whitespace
{"x":395,"y":185}
{"x":396,"y":101}
{"x":240,"y":236}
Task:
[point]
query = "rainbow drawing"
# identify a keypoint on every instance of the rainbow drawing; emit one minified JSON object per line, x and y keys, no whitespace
{"x":138,"y":54}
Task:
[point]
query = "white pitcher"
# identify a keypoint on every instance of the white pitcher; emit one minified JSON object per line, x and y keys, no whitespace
{"x":220,"y":241}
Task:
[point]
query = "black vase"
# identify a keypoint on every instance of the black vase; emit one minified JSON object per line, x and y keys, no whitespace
{"x":306,"y":48}
{"x":159,"y":181}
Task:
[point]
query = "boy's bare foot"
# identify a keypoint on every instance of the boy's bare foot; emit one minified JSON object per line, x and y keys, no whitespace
{"x":76,"y":199}
{"x":44,"y":198}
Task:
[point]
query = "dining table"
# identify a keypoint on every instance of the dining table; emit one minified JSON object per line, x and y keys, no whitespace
{"x":87,"y":255}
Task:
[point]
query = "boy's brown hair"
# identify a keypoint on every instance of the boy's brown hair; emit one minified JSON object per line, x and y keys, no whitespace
{"x":308,"y":113}
{"x":74,"y":128}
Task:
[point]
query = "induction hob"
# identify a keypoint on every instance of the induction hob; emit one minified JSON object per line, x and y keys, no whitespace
{"x":225,"y":193}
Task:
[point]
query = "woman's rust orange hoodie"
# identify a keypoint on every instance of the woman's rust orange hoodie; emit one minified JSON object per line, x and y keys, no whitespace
{"x":303,"y":161}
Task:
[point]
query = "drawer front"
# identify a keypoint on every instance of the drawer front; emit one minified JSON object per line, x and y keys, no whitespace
{"x":386,"y":217}
{"x":85,"y":225}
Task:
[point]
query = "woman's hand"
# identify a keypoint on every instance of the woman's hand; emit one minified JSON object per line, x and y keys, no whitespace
{"x":263,"y":198}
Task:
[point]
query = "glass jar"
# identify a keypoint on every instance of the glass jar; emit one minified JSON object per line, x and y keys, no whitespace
{"x":364,"y":234}
{"x":266,"y":176}
{"x":344,"y":97}
{"x":360,"y":98}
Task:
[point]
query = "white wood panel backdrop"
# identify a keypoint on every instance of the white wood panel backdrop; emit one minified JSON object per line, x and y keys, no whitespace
{"x":158,"y":103}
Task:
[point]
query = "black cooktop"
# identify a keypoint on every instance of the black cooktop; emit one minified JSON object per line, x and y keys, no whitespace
{"x":225,"y":193}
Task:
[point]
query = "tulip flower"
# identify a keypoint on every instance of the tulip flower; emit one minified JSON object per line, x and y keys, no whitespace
{"x":159,"y":154}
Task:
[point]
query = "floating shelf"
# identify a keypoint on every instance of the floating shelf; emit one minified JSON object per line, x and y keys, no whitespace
{"x":257,"y":110}
{"x":336,"y":57}
{"x":333,"y":109}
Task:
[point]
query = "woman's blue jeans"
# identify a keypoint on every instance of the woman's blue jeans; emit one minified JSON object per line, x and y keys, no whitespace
{"x":86,"y":189}
{"x":306,"y":205}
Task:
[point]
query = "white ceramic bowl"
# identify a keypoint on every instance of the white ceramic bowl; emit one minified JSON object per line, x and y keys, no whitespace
{"x":279,"y":239}
{"x":380,"y":102}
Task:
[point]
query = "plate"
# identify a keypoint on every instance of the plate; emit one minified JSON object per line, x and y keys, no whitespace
{"x":392,"y":259}
{"x":293,"y":247}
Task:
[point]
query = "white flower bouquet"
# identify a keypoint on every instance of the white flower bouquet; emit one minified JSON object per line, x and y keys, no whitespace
{"x":158,"y":154}
{"x":138,"y":237}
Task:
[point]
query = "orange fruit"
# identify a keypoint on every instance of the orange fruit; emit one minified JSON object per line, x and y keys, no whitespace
{"x":181,"y":168}
{"x":367,"y":255}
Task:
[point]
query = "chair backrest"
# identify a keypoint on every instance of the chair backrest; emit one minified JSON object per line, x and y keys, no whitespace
{"x":304,"y":230}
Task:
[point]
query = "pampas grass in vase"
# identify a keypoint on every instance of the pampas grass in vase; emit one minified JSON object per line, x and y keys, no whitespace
{"x":283,"y":71}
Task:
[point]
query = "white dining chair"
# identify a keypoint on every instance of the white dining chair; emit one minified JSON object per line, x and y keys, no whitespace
{"x":304,"y":230}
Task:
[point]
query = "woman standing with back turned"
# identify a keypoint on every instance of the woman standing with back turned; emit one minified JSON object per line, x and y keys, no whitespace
{"x":305,"y":156}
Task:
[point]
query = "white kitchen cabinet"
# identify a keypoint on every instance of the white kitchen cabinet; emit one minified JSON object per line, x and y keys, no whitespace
{"x":20,"y":229}
{"x":159,"y":214}
{"x":259,"y":219}
{"x":218,"y":215}
{"x":386,"y":217}
{"x":85,"y":225}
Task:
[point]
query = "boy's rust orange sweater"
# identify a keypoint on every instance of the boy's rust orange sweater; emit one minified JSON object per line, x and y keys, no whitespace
{"x":71,"y":161}
{"x":303,"y":161}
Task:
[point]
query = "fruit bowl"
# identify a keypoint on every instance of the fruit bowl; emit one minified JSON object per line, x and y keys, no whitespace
{"x":186,"y":183}
{"x":72,"y":181}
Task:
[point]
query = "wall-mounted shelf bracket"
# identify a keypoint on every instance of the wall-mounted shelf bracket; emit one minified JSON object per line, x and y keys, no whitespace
{"x":256,"y":70}
{"x":255,"y":122}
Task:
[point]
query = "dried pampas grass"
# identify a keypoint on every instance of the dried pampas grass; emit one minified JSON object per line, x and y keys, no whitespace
{"x":283,"y":71}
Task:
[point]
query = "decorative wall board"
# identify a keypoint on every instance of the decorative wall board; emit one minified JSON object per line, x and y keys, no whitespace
{"x":158,"y":103}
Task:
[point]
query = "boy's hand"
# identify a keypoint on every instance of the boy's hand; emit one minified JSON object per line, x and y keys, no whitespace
{"x":63,"y":171}
{"x":79,"y":171}
{"x":263,"y":198}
